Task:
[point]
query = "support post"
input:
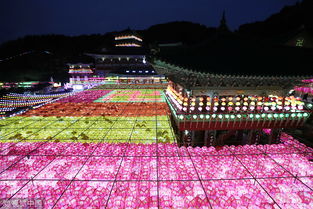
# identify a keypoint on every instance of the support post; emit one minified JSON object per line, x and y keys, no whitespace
{"x":206,"y":138}
{"x":193,"y":138}
{"x":252,"y":136}
{"x":239,"y":135}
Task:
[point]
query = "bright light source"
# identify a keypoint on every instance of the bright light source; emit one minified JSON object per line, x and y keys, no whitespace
{"x":78,"y":87}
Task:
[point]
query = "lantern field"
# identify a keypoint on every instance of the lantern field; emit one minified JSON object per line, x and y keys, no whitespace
{"x":100,"y":147}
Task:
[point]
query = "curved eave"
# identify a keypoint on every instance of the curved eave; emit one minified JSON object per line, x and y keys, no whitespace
{"x":194,"y":79}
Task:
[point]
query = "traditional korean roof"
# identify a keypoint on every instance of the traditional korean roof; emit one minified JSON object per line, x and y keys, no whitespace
{"x":128,"y":33}
{"x":232,"y":62}
{"x":193,"y":79}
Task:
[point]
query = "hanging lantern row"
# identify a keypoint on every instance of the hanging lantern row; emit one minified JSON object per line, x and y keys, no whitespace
{"x":234,"y":104}
{"x":175,"y":97}
{"x":29,"y":96}
{"x":21,"y":100}
{"x":128,"y":45}
{"x":81,"y":71}
{"x":16,"y":101}
{"x":262,"y":116}
{"x":128,"y":37}
{"x":308,"y":80}
{"x":7,"y":109}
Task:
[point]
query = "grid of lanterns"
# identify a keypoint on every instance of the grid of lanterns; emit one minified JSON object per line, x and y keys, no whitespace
{"x":234,"y":104}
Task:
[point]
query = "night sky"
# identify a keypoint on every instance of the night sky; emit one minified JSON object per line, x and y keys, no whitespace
{"x":76,"y":17}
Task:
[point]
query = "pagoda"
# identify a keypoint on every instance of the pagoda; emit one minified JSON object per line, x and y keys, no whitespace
{"x":128,"y":38}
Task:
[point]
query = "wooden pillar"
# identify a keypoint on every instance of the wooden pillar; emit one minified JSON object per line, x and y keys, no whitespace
{"x":193,"y":139}
{"x":239,"y":135}
{"x":220,"y":140}
{"x":244,"y":139}
{"x":206,"y":138}
{"x":212,"y":138}
{"x":251,"y":136}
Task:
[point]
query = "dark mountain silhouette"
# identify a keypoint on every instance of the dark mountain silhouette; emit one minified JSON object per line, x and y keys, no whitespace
{"x":185,"y":32}
{"x":15,"y":65}
{"x":234,"y":55}
{"x":280,"y":25}
{"x":40,"y":57}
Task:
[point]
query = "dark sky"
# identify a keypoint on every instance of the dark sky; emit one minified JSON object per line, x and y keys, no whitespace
{"x":75,"y":17}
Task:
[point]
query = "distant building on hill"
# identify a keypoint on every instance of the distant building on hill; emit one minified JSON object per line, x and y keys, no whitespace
{"x":302,"y":38}
{"x":80,"y":75}
{"x":126,"y":62}
{"x":128,"y":38}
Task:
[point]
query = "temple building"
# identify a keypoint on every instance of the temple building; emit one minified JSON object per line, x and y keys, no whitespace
{"x":80,"y":75}
{"x":301,"y":38}
{"x":211,"y":109}
{"x":126,"y":62}
{"x":229,"y":90}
